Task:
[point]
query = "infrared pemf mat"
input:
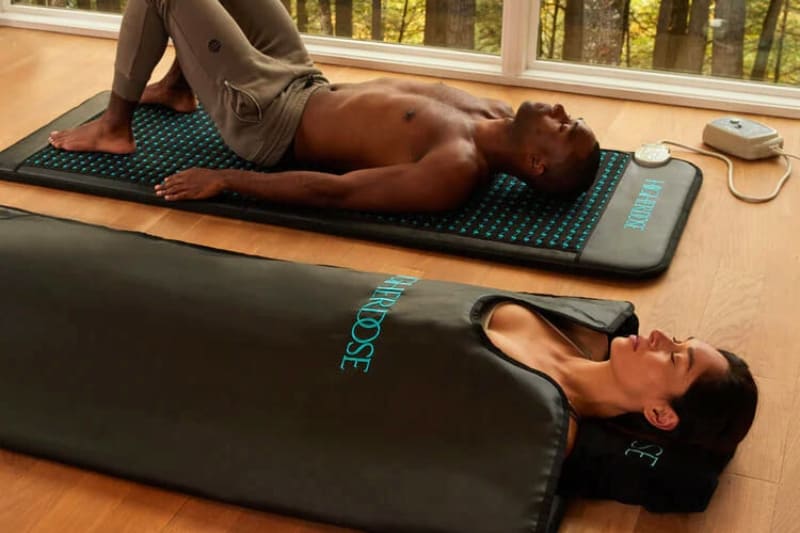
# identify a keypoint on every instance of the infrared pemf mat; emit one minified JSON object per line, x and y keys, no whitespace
{"x":627,"y":224}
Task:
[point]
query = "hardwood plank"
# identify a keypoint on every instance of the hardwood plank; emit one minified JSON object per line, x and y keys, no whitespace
{"x":587,"y":516}
{"x":204,"y":516}
{"x":141,"y":510}
{"x":786,"y":515}
{"x":741,"y":505}
{"x":31,"y":489}
{"x":762,"y":453}
{"x":81,"y":507}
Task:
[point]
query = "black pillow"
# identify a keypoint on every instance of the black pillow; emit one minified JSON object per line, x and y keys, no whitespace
{"x":607,"y":463}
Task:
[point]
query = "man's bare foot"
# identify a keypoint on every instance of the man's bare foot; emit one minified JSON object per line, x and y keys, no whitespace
{"x":96,"y":136}
{"x":178,"y":98}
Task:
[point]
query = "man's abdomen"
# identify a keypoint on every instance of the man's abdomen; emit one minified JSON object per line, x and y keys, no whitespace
{"x":360,"y":126}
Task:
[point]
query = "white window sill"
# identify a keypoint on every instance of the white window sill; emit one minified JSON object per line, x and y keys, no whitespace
{"x":63,"y":21}
{"x":672,"y":89}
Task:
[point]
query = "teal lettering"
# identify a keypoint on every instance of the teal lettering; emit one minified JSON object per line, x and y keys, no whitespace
{"x":365,"y":314}
{"x":643,"y":205}
{"x":632,"y":224}
{"x":366,"y":325}
{"x":646,"y":203}
{"x":383,"y":302}
{"x":359,"y":347}
{"x":641,"y":211}
{"x":645,"y":451}
{"x":355,"y":361}
{"x":406,"y":280}
{"x":401,"y":281}
{"x":388,"y":291}
{"x":369,"y":318}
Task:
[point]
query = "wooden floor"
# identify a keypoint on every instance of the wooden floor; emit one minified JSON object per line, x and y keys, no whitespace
{"x":734,"y":281}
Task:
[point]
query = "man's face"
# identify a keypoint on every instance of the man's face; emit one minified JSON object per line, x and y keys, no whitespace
{"x":551,"y":134}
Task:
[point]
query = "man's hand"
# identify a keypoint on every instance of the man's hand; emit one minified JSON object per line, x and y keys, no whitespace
{"x":191,"y":184}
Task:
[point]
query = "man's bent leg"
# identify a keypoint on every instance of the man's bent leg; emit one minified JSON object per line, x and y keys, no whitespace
{"x":270,"y":29}
{"x":235,"y":82}
{"x":142,"y":40}
{"x":172,"y":91}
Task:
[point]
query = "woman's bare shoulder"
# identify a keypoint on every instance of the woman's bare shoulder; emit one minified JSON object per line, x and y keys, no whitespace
{"x":506,"y":316}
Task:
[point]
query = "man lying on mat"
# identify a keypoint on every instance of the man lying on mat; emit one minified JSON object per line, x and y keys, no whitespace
{"x":388,"y":145}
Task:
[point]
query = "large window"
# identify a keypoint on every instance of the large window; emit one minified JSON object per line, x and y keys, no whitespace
{"x":106,"y":6}
{"x":736,"y":55}
{"x":459,"y":24}
{"x":751,"y":40}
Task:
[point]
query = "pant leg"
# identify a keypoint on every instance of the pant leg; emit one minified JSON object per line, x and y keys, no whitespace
{"x":142,"y":40}
{"x":270,"y":29}
{"x":209,"y":44}
{"x":255,"y":100}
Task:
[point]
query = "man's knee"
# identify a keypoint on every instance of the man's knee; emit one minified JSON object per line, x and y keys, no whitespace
{"x":160,"y":5}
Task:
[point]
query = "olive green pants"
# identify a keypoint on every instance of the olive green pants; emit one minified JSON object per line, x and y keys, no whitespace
{"x":244,"y":59}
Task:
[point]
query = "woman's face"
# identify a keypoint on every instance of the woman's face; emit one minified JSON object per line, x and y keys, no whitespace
{"x":659,"y":367}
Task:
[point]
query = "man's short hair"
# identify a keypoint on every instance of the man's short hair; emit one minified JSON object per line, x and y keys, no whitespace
{"x":574,"y":175}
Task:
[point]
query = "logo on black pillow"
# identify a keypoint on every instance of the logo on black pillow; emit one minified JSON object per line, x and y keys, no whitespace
{"x":645,"y":451}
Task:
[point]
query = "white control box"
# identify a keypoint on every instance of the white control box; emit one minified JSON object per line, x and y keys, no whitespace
{"x":741,"y":137}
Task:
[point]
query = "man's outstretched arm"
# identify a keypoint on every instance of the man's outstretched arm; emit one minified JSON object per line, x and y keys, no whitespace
{"x":440,"y":181}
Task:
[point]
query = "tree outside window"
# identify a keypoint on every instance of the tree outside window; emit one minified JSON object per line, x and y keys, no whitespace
{"x":473,"y":25}
{"x":751,"y":40}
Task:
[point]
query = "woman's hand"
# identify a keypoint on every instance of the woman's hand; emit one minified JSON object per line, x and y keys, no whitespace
{"x":192,"y":184}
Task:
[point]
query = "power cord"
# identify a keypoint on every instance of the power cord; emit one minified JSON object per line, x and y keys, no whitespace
{"x":779,"y":150}
{"x":731,"y":185}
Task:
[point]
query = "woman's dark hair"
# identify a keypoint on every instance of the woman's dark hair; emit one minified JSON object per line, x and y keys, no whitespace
{"x":715,"y":414}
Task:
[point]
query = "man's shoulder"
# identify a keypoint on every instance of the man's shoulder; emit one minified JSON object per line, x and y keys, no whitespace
{"x":459,"y":157}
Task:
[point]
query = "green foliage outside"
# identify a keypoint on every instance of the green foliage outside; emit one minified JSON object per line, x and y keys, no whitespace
{"x":643,"y":29}
{"x":404,"y":22}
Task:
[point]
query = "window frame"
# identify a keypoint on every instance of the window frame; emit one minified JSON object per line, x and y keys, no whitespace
{"x":517,"y":64}
{"x":60,"y":20}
